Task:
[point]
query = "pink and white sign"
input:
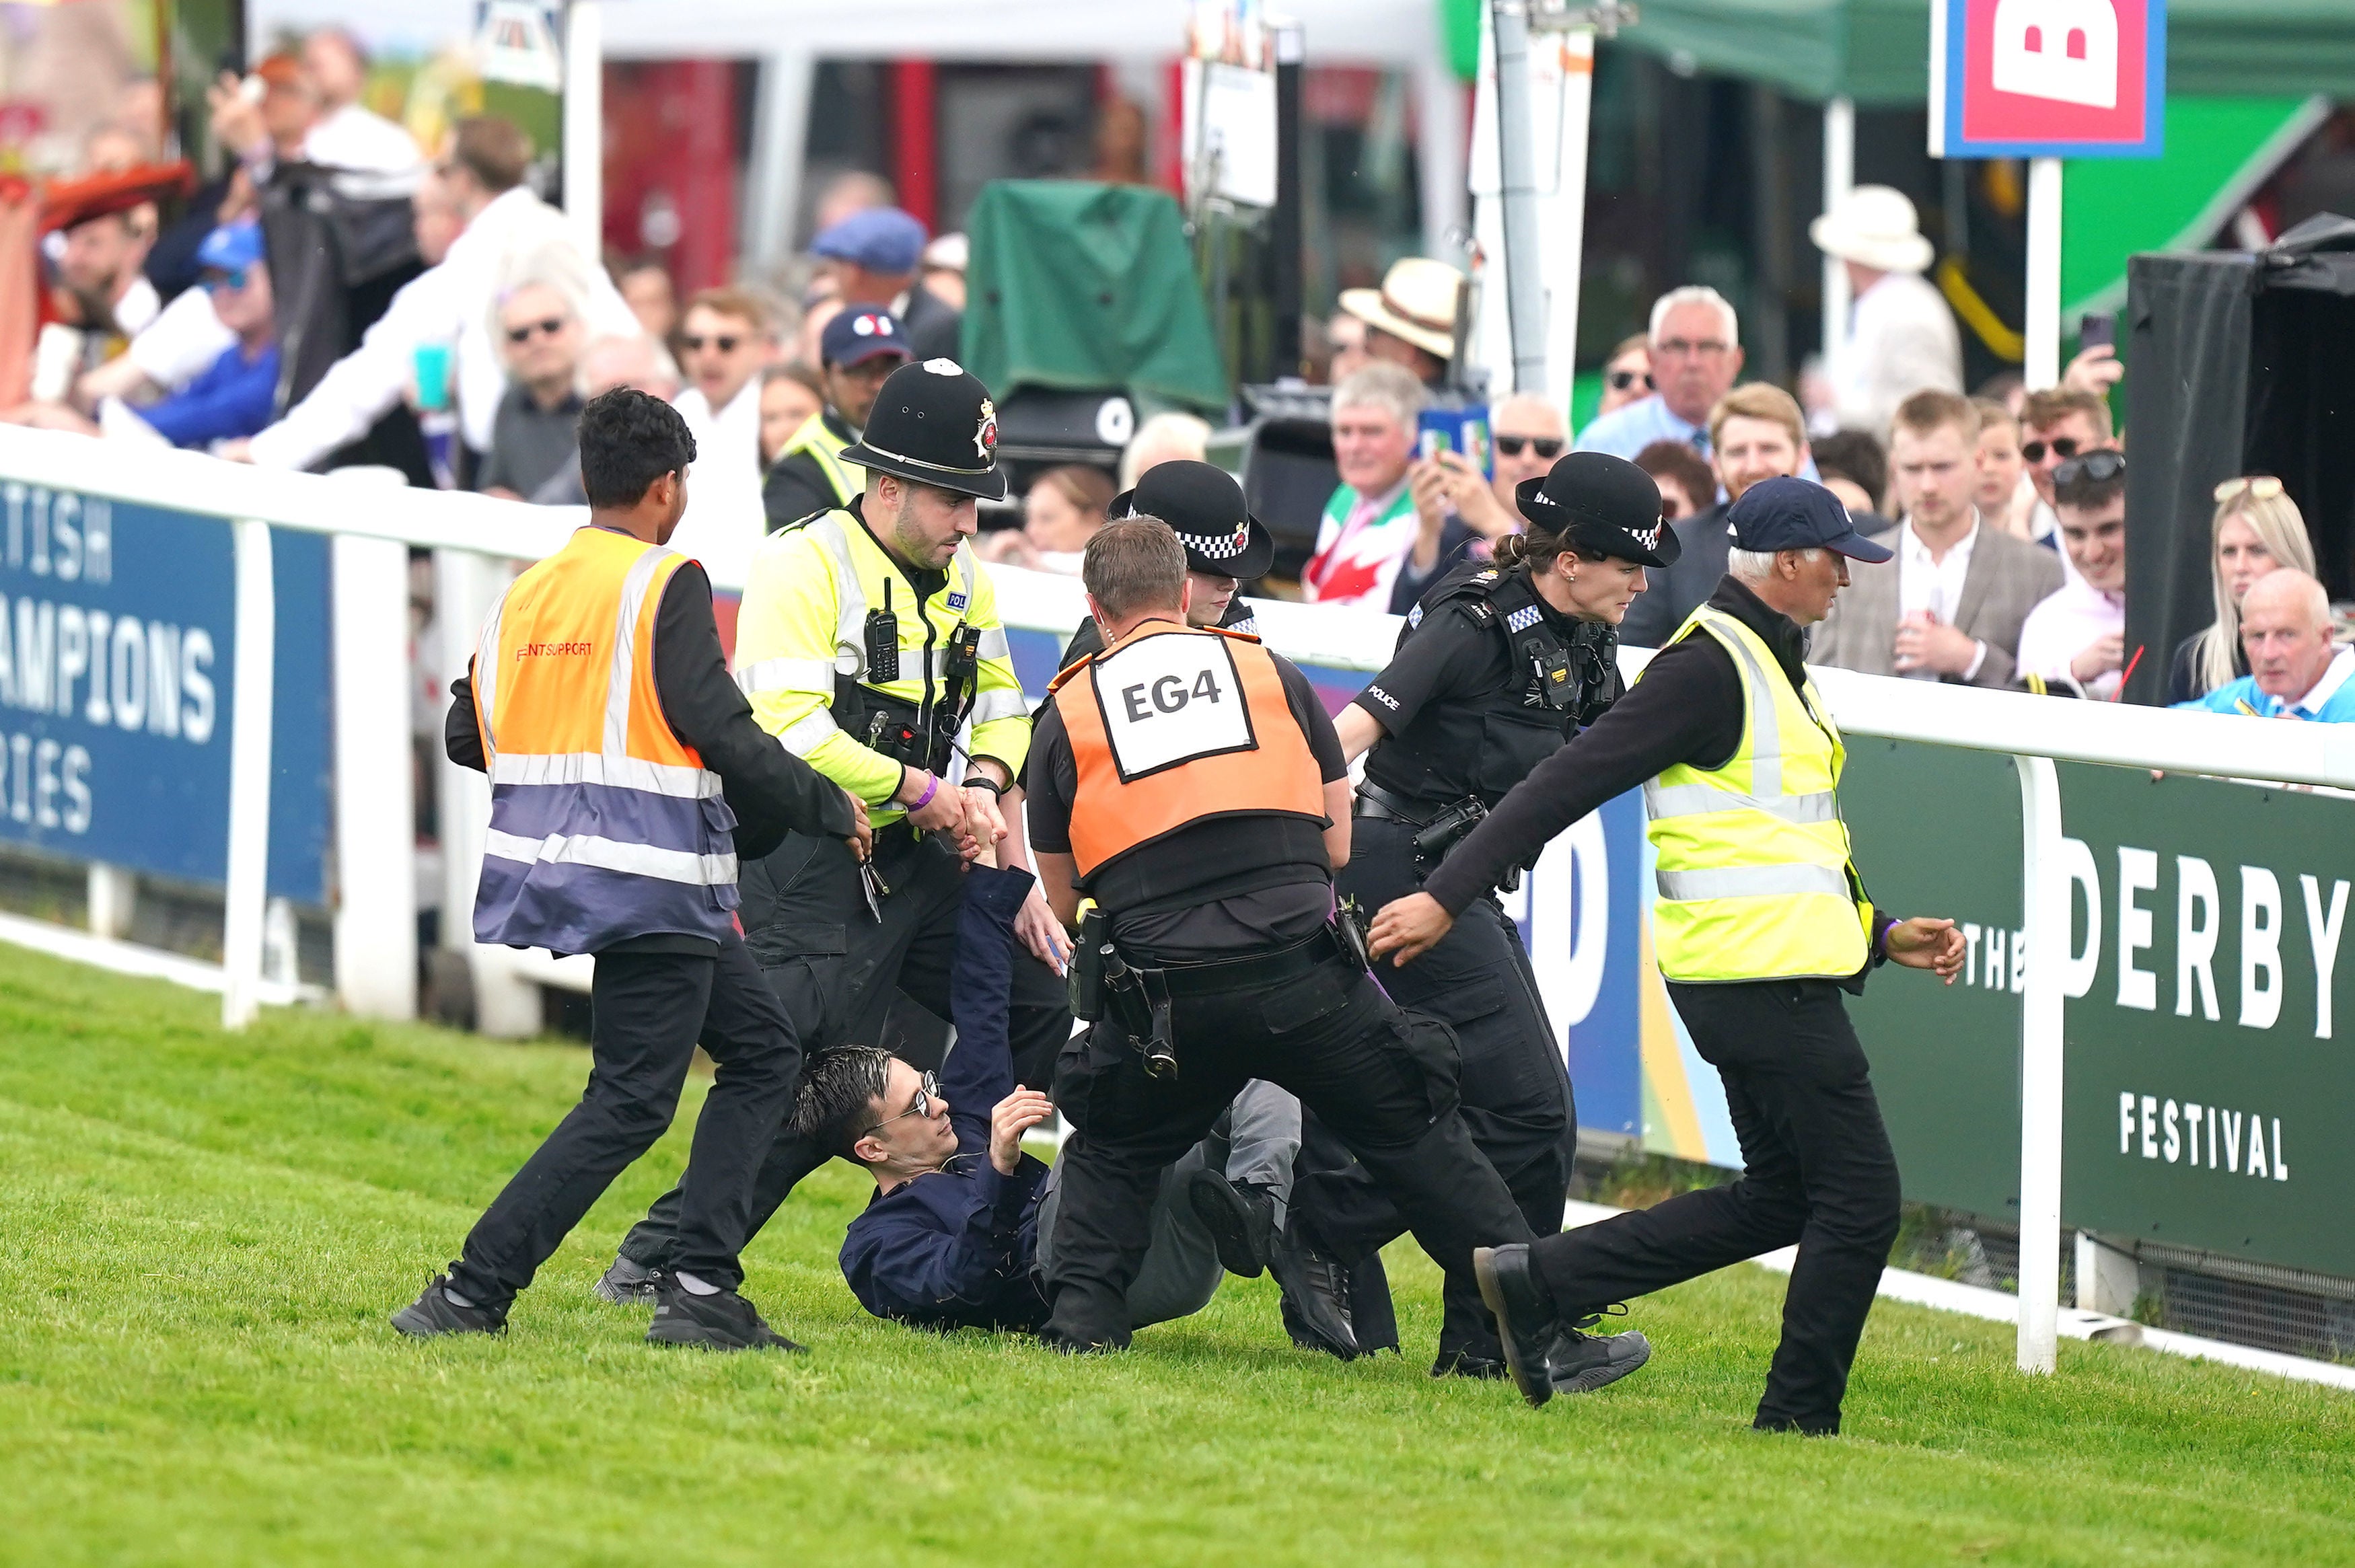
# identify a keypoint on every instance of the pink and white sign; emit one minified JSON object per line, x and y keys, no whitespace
{"x":2032,"y":79}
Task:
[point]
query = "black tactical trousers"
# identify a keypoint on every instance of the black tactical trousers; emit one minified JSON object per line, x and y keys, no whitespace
{"x":1515,"y":1091}
{"x":1816,"y":1171}
{"x":1331,"y":1038}
{"x":838,"y":969}
{"x":648,"y":1012}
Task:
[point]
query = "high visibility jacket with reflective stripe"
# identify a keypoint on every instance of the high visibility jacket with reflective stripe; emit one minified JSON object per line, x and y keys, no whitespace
{"x":846,"y":478}
{"x":1755,"y":875}
{"x":604,"y":824}
{"x":1173,"y":726}
{"x":803,"y":620}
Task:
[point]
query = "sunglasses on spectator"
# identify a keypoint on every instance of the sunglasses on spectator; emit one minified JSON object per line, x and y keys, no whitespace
{"x":1546,"y":447}
{"x":551,"y":325}
{"x":2101,"y":467}
{"x":2063,"y":447}
{"x":926,"y":1088}
{"x":2255,"y":486}
{"x":1624,"y":380}
{"x":724,"y":342}
{"x":230,"y":278}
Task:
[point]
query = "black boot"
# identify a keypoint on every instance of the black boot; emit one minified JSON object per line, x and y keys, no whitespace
{"x":434,"y":1314}
{"x":1524,"y":1315}
{"x":1240,"y":1217}
{"x":1315,"y":1295}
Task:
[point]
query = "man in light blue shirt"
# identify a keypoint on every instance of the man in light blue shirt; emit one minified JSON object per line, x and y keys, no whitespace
{"x":2295,"y":673}
{"x":1695,"y":344}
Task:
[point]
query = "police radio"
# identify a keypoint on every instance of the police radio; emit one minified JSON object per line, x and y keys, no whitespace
{"x":883,"y":641}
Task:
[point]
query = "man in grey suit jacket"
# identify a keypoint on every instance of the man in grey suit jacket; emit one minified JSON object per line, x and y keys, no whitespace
{"x":1949,"y":605}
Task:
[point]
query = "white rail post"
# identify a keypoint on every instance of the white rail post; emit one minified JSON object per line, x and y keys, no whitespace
{"x":1840,"y":177}
{"x":2045,"y":906}
{"x":253,"y":689}
{"x":2042,"y":368}
{"x":584,"y":123}
{"x":376,"y":811}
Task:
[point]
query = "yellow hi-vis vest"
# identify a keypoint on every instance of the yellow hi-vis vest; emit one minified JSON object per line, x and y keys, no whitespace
{"x":604,"y":824}
{"x":846,"y":478}
{"x":1754,"y":877}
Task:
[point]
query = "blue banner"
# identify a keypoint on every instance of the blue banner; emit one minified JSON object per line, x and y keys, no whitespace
{"x":117,"y":668}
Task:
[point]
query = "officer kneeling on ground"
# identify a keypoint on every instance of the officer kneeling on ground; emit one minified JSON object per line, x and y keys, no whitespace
{"x":1760,"y":923}
{"x":871,"y":646}
{"x":626,"y":776}
{"x":1190,"y":784}
{"x":1497,"y":666}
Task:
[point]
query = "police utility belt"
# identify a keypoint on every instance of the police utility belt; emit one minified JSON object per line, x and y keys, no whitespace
{"x":1103,"y":984}
{"x":919,"y":735}
{"x":1435,"y":833}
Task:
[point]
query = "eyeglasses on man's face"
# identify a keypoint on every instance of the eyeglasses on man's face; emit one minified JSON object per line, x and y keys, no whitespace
{"x":547,"y":325}
{"x":1546,"y":447}
{"x":2061,"y":448}
{"x":927,"y":1095}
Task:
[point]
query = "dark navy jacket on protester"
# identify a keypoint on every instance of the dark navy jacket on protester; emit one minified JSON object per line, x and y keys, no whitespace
{"x":954,"y":1247}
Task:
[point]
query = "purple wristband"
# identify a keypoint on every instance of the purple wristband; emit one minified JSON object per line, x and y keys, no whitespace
{"x":932,"y":788}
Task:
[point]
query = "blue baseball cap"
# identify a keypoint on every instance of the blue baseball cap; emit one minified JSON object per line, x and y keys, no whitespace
{"x":859,"y":333}
{"x":880,"y":238}
{"x":1798,"y":515}
{"x":231,"y":248}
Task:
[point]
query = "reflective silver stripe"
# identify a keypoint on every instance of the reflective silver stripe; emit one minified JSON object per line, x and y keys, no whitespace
{"x":621,"y":674}
{"x":1662,"y":802}
{"x":1752,"y":882}
{"x":1766,"y":729}
{"x":993,"y":644}
{"x":1002,"y":704}
{"x":487,"y":668}
{"x":850,"y":596}
{"x":787,"y":675}
{"x":610,"y":854}
{"x":616,"y":772}
{"x":964,"y":558}
{"x":802,"y":738}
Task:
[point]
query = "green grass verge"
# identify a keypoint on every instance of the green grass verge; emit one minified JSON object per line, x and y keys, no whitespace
{"x":203,"y":1235}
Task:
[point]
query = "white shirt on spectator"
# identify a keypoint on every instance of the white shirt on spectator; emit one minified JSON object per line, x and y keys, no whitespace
{"x":2341,"y":665}
{"x":2071,"y":620}
{"x":1902,"y":339}
{"x":725,"y":516}
{"x":446,"y":304}
{"x":1923,"y":584}
{"x":356,"y":138}
{"x":182,"y":343}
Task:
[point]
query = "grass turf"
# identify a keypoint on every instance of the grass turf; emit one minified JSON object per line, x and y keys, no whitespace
{"x":206,"y":1232}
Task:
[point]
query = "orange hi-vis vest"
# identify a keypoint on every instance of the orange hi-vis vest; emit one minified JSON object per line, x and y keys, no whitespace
{"x":604,"y":824}
{"x":1175,"y":725}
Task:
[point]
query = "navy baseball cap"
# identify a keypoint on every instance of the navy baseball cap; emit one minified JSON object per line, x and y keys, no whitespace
{"x":1798,"y":515}
{"x":859,"y":333}
{"x":880,"y":238}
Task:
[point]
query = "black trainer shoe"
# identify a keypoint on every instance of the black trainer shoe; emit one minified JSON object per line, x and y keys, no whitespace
{"x":1581,"y":1363}
{"x":722,"y":1322}
{"x":1241,"y":1219}
{"x":626,"y":1284}
{"x":1524,"y":1315}
{"x":433,"y":1314}
{"x":1315,"y":1295}
{"x":1466,"y":1363}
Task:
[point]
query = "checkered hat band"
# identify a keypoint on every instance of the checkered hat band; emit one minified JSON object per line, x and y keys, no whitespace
{"x":1218,"y":547}
{"x":1522,"y":619}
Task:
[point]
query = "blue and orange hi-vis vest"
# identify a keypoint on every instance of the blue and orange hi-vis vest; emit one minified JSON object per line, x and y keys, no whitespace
{"x":604,"y":824}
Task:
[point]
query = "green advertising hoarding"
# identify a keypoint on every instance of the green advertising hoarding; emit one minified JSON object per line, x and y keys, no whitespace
{"x":2211,"y":1078}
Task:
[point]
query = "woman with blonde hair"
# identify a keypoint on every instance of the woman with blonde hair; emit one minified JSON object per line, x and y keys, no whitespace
{"x":2257,"y":527}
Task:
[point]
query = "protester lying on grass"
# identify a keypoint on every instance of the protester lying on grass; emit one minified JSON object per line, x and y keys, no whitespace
{"x":956,"y":1233}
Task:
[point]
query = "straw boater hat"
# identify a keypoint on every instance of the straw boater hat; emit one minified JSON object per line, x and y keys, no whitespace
{"x":1874,"y":227}
{"x":1416,"y":302}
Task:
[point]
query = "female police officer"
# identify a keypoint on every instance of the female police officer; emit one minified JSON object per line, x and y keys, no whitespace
{"x":1499,"y":664}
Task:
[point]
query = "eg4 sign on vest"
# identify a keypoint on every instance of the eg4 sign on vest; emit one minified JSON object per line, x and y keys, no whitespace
{"x":2031,"y":79}
{"x":1168,"y":700}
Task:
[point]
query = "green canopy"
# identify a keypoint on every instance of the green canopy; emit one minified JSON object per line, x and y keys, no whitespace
{"x":1877,"y":52}
{"x":1076,"y":286}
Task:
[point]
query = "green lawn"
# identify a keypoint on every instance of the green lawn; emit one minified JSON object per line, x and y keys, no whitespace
{"x":205,"y":1234}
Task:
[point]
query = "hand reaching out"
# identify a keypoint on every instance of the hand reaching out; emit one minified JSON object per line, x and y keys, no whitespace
{"x":1409,"y":926}
{"x":1923,"y":943}
{"x":1015,"y":1115}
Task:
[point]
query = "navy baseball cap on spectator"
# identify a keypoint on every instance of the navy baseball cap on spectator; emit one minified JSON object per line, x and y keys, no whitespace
{"x":231,"y":248}
{"x":880,"y":238}
{"x":860,"y":333}
{"x":1798,"y":515}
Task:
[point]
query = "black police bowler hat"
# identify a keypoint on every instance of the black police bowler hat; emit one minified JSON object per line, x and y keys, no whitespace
{"x":1798,"y":515}
{"x":1603,"y":504}
{"x":1204,"y":506}
{"x":934,"y":423}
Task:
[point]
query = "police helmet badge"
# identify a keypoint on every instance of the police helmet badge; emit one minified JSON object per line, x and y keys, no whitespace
{"x":985,"y":435}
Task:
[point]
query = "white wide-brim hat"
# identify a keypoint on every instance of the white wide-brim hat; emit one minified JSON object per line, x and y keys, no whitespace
{"x":1416,"y":302}
{"x":1874,"y":227}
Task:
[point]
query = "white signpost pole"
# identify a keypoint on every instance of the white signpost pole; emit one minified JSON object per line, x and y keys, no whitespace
{"x":2042,"y":324}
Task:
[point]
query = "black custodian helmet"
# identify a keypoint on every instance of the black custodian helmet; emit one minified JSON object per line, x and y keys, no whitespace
{"x":934,"y":423}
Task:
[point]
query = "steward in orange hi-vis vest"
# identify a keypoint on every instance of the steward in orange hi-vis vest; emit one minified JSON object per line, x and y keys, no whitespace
{"x":604,"y":824}
{"x":1173,"y":726}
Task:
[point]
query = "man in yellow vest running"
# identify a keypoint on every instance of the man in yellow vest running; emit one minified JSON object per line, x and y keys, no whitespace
{"x":1761,"y":921}
{"x":626,"y":776}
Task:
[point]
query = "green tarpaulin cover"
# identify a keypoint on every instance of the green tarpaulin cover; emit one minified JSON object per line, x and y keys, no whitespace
{"x":1076,"y":286}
